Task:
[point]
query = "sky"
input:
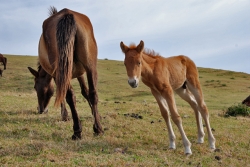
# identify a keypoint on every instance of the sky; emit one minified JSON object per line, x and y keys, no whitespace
{"x":213,"y":33}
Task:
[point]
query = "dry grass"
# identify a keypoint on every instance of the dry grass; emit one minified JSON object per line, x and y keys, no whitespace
{"x":30,"y":139}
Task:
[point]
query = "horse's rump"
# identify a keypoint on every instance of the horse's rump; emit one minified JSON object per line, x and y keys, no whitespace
{"x":59,"y":32}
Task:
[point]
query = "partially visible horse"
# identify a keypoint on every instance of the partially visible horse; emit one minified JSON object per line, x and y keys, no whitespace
{"x":67,"y":49}
{"x":45,"y":90}
{"x":1,"y":72}
{"x":164,"y":76}
{"x":246,"y":101}
{"x":3,"y":60}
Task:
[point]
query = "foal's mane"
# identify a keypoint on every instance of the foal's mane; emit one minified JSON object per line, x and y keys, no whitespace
{"x":52,"y":10}
{"x":149,"y":52}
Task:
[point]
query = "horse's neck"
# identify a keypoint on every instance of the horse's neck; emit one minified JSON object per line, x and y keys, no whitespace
{"x":147,"y":65}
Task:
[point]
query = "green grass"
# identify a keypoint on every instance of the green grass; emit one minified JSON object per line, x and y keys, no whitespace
{"x":31,"y":139}
{"x":239,"y":109}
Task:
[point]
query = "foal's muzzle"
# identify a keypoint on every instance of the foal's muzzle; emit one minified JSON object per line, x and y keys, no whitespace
{"x":133,"y":82}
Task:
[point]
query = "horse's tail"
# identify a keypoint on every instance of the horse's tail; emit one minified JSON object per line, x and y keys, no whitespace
{"x":65,"y":36}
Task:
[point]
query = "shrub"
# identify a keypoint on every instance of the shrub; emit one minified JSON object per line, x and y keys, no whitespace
{"x":240,"y":109}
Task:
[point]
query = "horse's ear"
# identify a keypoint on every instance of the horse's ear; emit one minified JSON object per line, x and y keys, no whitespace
{"x":33,"y":72}
{"x":140,"y":47}
{"x":124,"y":47}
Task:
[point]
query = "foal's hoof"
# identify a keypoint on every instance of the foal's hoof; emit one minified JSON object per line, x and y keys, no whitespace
{"x":76,"y":136}
{"x":98,"y":131}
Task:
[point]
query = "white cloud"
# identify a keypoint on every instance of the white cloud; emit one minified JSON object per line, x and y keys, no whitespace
{"x":200,"y":29}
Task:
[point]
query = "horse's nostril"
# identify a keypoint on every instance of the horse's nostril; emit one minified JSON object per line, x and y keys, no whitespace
{"x":132,"y":83}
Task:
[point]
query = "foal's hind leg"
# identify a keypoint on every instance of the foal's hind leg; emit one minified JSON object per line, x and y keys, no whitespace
{"x":93,"y":98}
{"x":195,"y":89}
{"x":188,"y":97}
{"x":71,"y":100}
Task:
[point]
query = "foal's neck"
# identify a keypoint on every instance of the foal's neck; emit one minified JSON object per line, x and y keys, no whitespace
{"x":147,"y":65}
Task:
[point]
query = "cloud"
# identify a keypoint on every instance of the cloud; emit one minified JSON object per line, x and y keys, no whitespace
{"x":203,"y":30}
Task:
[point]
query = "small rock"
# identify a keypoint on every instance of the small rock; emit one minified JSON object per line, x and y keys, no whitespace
{"x":140,"y":117}
{"x":217,"y":158}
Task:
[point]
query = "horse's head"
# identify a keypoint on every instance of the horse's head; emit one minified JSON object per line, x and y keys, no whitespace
{"x":132,"y":61}
{"x":44,"y":88}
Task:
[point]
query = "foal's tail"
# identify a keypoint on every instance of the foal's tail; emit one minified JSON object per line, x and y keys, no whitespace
{"x":65,"y":36}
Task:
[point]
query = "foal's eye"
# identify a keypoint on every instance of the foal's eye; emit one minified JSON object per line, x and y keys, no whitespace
{"x":139,"y":63}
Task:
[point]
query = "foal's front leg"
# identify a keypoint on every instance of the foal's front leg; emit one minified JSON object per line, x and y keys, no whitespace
{"x":165,"y":114}
{"x":169,"y":96}
{"x":77,"y":127}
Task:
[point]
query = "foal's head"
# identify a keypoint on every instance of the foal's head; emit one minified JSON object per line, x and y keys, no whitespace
{"x":133,"y":62}
{"x":44,"y":88}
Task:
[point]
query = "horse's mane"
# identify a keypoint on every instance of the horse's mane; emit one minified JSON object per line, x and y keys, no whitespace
{"x":52,"y":10}
{"x":149,"y":52}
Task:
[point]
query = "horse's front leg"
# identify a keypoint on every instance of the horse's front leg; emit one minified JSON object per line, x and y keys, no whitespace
{"x":77,"y":127}
{"x":93,"y":99}
{"x":64,"y":112}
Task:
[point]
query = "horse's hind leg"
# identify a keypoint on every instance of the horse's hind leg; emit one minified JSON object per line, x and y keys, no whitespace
{"x":84,"y":89}
{"x":195,"y":89}
{"x":188,"y":97}
{"x":77,"y":127}
{"x":93,"y":98}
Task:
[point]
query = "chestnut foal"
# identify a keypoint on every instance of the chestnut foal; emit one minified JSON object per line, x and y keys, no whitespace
{"x":164,"y":76}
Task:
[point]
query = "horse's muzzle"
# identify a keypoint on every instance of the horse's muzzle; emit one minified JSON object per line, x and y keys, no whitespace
{"x":133,"y":83}
{"x":40,"y":111}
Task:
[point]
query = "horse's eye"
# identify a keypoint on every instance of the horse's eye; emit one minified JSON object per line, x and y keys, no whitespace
{"x":139,"y":63}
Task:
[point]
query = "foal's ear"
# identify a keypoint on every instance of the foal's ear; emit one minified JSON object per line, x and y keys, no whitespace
{"x":123,"y":47}
{"x":140,"y":47}
{"x":33,"y":72}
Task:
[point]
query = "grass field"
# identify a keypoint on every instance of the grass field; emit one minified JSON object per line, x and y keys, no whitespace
{"x":31,"y":139}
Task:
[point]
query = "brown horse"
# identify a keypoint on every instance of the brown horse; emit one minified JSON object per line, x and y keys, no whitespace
{"x":3,"y":60}
{"x":45,"y":89}
{"x":164,"y":76}
{"x":67,"y":49}
{"x":1,"y":72}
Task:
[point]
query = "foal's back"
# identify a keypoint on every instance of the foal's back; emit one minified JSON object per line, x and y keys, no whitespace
{"x":179,"y":69}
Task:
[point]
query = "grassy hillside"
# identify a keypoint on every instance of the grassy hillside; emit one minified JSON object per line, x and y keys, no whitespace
{"x":31,"y":139}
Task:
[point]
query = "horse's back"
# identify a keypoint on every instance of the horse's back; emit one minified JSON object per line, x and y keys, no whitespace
{"x":84,"y":43}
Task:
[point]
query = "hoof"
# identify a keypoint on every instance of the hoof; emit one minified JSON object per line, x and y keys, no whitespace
{"x":98,"y":131}
{"x":188,"y":154}
{"x":76,"y":136}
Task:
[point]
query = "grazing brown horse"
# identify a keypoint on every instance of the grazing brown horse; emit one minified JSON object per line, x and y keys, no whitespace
{"x":164,"y":76}
{"x":67,"y":49}
{"x":3,"y":60}
{"x":45,"y":90}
